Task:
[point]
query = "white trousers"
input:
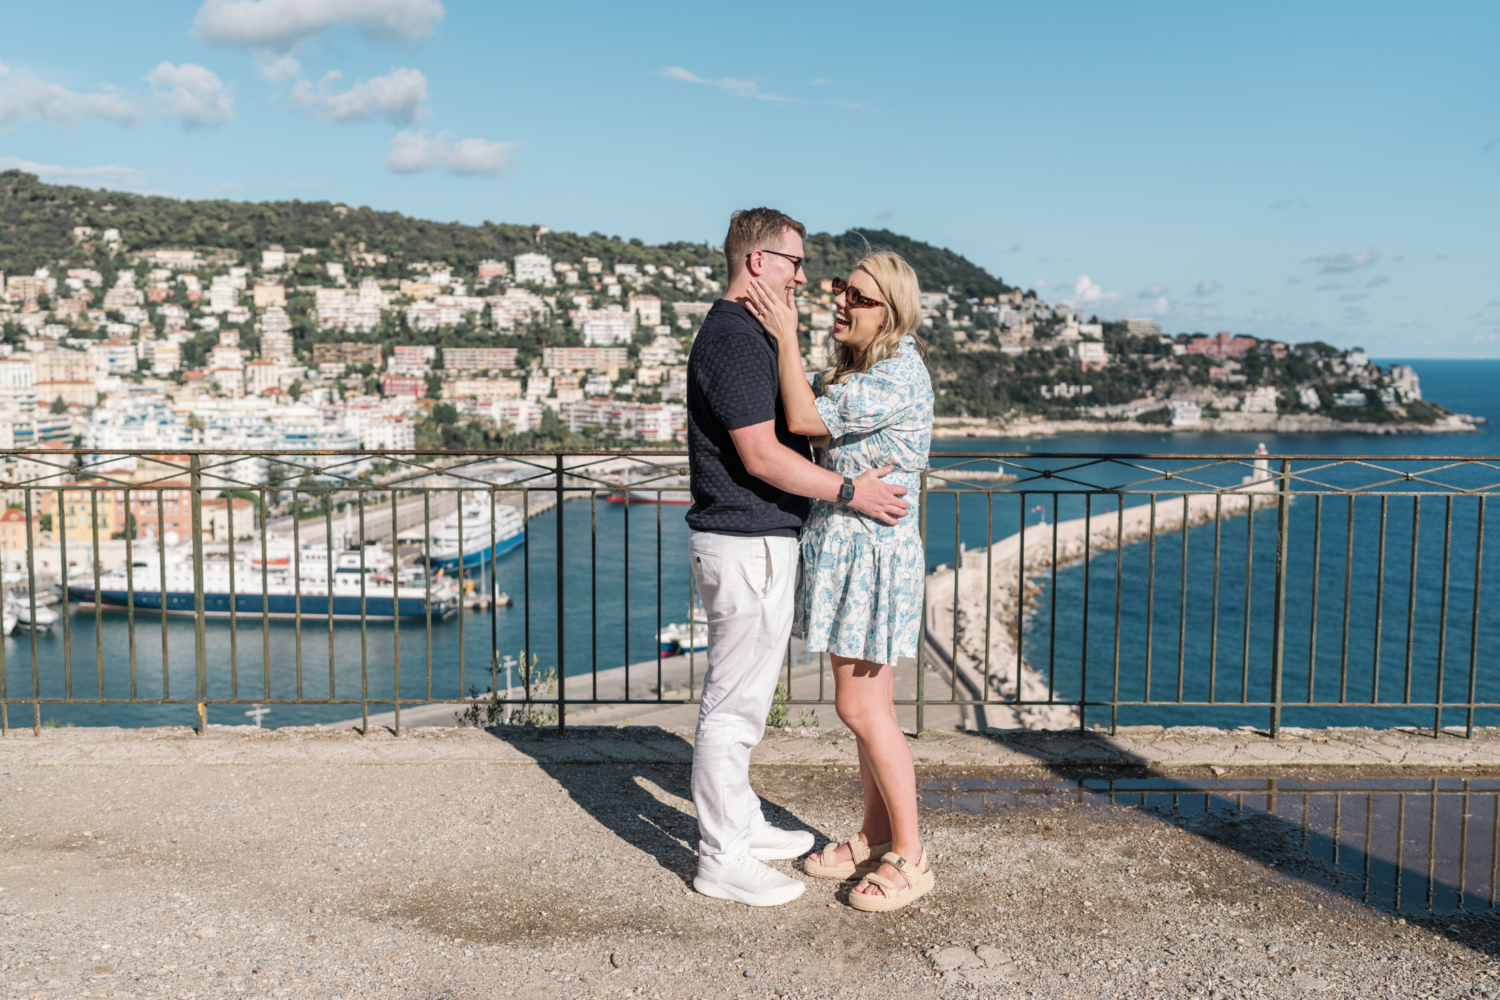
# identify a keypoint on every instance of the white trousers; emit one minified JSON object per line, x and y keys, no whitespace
{"x":747,"y":585}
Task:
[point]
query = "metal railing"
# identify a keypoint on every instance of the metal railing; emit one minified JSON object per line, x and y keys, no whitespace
{"x":1135,"y":597}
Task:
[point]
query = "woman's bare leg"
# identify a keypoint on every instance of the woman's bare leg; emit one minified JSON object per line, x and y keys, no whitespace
{"x":864,"y":698}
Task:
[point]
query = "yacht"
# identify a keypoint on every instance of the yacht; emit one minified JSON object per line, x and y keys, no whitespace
{"x":487,"y":531}
{"x":281,"y":583}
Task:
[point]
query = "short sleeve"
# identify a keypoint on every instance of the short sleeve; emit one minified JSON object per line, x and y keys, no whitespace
{"x":865,"y":403}
{"x":738,"y":380}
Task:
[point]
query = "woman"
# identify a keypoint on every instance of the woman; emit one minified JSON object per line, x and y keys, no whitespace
{"x":859,"y":595}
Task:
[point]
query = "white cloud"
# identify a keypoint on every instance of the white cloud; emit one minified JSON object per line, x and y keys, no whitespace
{"x":1085,"y":290}
{"x":277,"y":25}
{"x":1207,"y":287}
{"x":192,"y":93}
{"x":121,"y":178}
{"x":27,"y":97}
{"x":1340,"y":262}
{"x":397,"y":97}
{"x":1152,"y":292}
{"x":278,"y":69}
{"x":740,"y":88}
{"x":414,"y":151}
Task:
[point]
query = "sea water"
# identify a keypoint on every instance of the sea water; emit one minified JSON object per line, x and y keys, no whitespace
{"x":625,"y":573}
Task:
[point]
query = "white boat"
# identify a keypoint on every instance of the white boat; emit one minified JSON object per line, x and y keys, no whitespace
{"x":8,"y":621}
{"x":20,"y":608}
{"x":684,"y":637}
{"x":286,"y":583}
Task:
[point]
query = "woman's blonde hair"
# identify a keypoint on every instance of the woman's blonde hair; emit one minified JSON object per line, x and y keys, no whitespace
{"x":900,"y":292}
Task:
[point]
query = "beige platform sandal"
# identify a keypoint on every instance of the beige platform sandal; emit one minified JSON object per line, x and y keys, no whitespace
{"x":919,"y":882}
{"x":862,"y":859}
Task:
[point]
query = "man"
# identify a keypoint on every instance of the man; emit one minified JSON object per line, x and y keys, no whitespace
{"x":751,"y":478}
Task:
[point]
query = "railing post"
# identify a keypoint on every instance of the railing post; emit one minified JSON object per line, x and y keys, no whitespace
{"x":922,"y":637}
{"x":562,"y":685}
{"x":200,"y":639}
{"x":1278,"y":643}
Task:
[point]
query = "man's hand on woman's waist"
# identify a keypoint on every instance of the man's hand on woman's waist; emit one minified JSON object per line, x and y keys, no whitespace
{"x":876,"y":498}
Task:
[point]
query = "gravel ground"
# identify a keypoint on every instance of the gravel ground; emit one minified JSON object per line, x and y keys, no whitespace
{"x":473,"y":879}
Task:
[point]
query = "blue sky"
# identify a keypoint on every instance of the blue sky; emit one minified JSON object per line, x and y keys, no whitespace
{"x":1304,"y":171}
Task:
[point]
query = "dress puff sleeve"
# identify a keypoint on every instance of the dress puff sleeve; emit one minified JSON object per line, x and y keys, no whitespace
{"x":866,"y":403}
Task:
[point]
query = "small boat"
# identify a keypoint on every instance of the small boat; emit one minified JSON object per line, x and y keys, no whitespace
{"x":8,"y":621}
{"x":20,"y":608}
{"x":672,"y":490}
{"x":684,"y":637}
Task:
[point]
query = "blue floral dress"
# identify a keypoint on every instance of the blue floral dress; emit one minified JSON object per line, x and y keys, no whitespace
{"x":859,"y":592}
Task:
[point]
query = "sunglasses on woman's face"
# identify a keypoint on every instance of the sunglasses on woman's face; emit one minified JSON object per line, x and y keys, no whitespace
{"x":852,"y":296}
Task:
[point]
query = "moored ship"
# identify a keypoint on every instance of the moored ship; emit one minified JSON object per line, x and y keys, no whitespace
{"x":287,"y":584}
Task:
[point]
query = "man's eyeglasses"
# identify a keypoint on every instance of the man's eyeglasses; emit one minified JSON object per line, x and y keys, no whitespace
{"x":852,"y":296}
{"x":796,"y":261}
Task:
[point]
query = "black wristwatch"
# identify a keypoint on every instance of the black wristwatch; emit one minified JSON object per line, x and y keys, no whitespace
{"x":846,"y":491}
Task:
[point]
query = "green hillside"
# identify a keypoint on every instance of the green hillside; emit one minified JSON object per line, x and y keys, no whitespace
{"x":37,"y":221}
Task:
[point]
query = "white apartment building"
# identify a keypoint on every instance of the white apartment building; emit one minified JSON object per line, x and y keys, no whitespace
{"x":516,"y":306}
{"x":222,"y":295}
{"x":521,"y":415}
{"x":223,"y":356}
{"x":370,"y":291}
{"x":1407,"y":385}
{"x":408,"y":359}
{"x":659,"y":422}
{"x":1184,"y":414}
{"x":17,"y":372}
{"x":113,"y":356}
{"x":228,"y":381}
{"x":391,"y":432}
{"x":1090,"y":353}
{"x":277,"y":347}
{"x":443,"y":310}
{"x":607,"y":331}
{"x":534,"y":268}
{"x":164,"y":356}
{"x":275,"y":320}
{"x":1259,"y":400}
{"x":260,"y":376}
{"x":647,"y":309}
{"x":660,"y":353}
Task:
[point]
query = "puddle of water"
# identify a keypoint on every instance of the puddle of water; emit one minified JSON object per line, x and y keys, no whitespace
{"x":1408,"y":845}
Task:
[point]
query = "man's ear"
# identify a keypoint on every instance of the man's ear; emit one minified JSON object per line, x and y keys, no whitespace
{"x":755,"y":263}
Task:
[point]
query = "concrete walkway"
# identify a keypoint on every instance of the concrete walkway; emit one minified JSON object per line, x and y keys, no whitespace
{"x":461,"y":863}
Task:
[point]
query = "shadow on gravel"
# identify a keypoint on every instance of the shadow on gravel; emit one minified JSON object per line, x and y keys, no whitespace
{"x":1426,"y":849}
{"x":615,"y":775}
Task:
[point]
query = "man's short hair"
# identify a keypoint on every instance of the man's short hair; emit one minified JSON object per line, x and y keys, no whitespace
{"x":752,"y":229}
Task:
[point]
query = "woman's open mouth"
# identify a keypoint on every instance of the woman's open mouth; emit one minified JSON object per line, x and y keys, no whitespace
{"x":840,"y":322}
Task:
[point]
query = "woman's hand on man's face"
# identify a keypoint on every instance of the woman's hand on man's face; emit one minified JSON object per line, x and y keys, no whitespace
{"x":776,"y":312}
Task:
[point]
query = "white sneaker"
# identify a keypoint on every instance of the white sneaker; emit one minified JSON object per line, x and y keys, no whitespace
{"x":746,"y":880}
{"x":771,"y":843}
